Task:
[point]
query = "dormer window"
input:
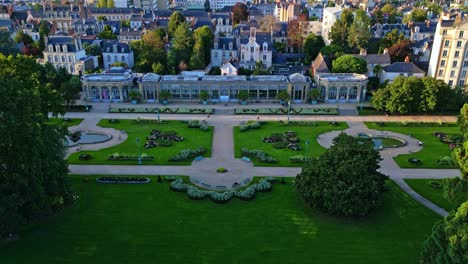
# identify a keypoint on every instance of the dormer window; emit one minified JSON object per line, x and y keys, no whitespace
{"x":230,"y":45}
{"x":51,"y":48}
{"x":216,"y":45}
{"x":57,"y":48}
{"x":123,"y":50}
{"x":65,"y":49}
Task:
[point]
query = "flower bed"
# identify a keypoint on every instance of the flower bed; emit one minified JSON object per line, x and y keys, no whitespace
{"x":259,"y":155}
{"x":85,"y":156}
{"x":123,"y":179}
{"x":161,"y":138}
{"x":166,"y":110}
{"x":149,"y":121}
{"x":283,"y":140}
{"x":79,"y":108}
{"x":202,"y":125}
{"x":284,"y":111}
{"x":188,"y":154}
{"x":125,"y":157}
{"x":247,"y":194}
{"x":249,"y":125}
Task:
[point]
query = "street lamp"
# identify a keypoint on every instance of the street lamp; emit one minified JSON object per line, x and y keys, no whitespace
{"x":157,"y":111}
{"x":138,"y":146}
{"x":363,"y":97}
{"x":307,"y":149}
{"x":289,"y":108}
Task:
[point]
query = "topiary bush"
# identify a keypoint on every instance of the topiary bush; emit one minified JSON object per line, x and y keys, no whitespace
{"x":221,"y":170}
{"x":280,"y":145}
{"x":178,"y":185}
{"x":222,"y":198}
{"x":85,"y":157}
{"x":263,"y":186}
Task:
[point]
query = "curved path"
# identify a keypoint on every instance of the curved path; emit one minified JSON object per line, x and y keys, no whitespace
{"x":203,"y":173}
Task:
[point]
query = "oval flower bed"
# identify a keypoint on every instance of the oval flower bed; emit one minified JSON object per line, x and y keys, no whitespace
{"x":123,"y":179}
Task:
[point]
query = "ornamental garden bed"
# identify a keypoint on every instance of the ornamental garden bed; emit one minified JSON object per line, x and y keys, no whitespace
{"x":162,"y":110}
{"x":158,"y":154}
{"x":284,"y":111}
{"x":123,"y":179}
{"x":251,"y":141}
{"x":436,"y":137}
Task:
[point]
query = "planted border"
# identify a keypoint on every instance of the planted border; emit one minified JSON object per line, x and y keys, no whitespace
{"x":166,"y":110}
{"x":284,"y":111}
{"x":247,"y":194}
{"x":123,"y":179}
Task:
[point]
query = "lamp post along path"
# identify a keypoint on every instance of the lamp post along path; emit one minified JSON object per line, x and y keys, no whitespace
{"x":138,"y":146}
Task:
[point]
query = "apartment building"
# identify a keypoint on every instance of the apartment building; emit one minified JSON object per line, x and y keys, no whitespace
{"x":449,"y":56}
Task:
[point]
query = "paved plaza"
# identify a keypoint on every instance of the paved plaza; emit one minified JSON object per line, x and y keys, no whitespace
{"x":240,"y":173}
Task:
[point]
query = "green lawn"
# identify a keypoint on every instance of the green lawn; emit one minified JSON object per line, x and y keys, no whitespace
{"x":193,"y":138}
{"x":252,"y":139}
{"x":390,"y":142}
{"x":60,"y":121}
{"x":432,"y":150}
{"x":434,"y":195}
{"x":118,"y":223}
{"x":368,"y":112}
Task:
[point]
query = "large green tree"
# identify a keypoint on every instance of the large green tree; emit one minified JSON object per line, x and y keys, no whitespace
{"x":33,"y":175}
{"x":391,"y":38}
{"x":203,"y":37}
{"x":107,"y":33}
{"x":448,"y":243}
{"x":359,"y":33}
{"x":175,"y":21}
{"x":398,"y":52}
{"x":148,"y":52}
{"x":340,"y":30}
{"x":349,"y":64}
{"x":182,"y":45}
{"x":312,"y":46}
{"x":7,"y":45}
{"x":345,"y":180}
{"x":413,"y":95}
{"x":44,"y":31}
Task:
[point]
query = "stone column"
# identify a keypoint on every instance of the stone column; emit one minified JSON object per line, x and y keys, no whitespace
{"x":121,"y":93}
{"x":100,"y":92}
{"x":326,"y":94}
{"x":347,"y":94}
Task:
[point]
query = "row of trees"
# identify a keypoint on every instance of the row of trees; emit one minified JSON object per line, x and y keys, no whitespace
{"x":417,"y":95}
{"x":189,"y":50}
{"x":33,"y":175}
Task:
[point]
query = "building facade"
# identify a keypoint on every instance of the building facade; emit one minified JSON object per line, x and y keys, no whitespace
{"x":67,"y":52}
{"x":115,"y":52}
{"x":341,"y":87}
{"x":330,"y":15}
{"x":114,"y":85}
{"x":252,"y":51}
{"x":449,"y":55}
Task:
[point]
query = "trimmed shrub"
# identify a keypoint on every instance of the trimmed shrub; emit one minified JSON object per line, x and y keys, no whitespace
{"x":221,"y":170}
{"x":223,"y":197}
{"x":297,"y":159}
{"x":251,"y":125}
{"x":196,"y":194}
{"x":247,"y":194}
{"x":85,"y":157}
{"x":187,"y":154}
{"x":263,"y":186}
{"x":178,"y":185}
{"x":280,"y":145}
{"x":259,"y":155}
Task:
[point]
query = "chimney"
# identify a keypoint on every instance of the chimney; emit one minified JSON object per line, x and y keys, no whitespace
{"x":458,"y":19}
{"x":385,"y":51}
{"x":363,"y":52}
{"x":407,"y":59}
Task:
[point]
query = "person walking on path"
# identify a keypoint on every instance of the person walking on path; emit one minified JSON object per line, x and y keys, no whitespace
{"x":258,"y":117}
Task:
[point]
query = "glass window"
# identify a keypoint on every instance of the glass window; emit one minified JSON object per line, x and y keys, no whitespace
{"x":454,"y":64}
{"x":457,"y":54}
{"x":452,"y":73}
{"x":441,"y":72}
{"x":442,"y":63}
{"x":444,"y":53}
{"x":461,"y":34}
{"x":450,"y":83}
{"x":461,"y":82}
{"x":465,"y":64}
{"x":459,"y":43}
{"x":463,"y":74}
{"x":447,"y":43}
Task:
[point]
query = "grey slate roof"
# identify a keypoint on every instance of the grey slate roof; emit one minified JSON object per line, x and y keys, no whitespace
{"x":110,"y":45}
{"x":404,"y":67}
{"x":375,"y":58}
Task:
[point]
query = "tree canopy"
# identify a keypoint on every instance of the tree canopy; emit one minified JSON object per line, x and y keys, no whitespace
{"x":33,"y":175}
{"x":240,"y":12}
{"x":175,"y":20}
{"x":312,"y":46}
{"x":344,"y":181}
{"x":359,"y":33}
{"x":392,"y":38}
{"x":349,"y":64}
{"x":340,"y":30}
{"x":417,"y":15}
{"x":149,"y":51}
{"x":182,"y":45}
{"x":107,"y":33}
{"x":398,"y":52}
{"x":414,"y":95}
{"x":448,"y":242}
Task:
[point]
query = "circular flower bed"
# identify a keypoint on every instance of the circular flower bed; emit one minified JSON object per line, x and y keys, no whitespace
{"x":435,"y":185}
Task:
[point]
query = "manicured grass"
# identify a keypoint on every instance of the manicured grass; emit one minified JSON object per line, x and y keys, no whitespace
{"x":390,"y":142}
{"x":60,"y":121}
{"x":193,"y":138}
{"x":148,"y":223}
{"x":252,"y":139}
{"x":434,"y":195}
{"x":368,"y":112}
{"x":432,"y":150}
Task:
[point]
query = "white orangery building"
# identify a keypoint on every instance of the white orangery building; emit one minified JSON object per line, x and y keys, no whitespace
{"x":114,"y":85}
{"x":341,"y":87}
